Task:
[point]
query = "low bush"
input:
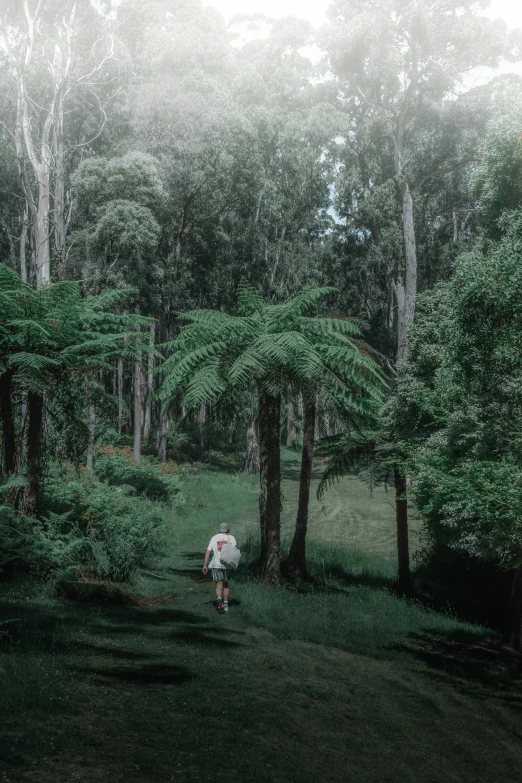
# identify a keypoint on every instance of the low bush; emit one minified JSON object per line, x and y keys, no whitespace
{"x":145,"y":477}
{"x":88,"y":525}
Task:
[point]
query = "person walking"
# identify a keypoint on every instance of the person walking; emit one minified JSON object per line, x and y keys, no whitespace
{"x":219,"y":572}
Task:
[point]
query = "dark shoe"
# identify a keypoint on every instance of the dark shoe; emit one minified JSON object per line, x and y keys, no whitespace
{"x":220,"y":606}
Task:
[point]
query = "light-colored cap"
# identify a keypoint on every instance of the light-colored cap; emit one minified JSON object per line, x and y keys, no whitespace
{"x":224,"y":528}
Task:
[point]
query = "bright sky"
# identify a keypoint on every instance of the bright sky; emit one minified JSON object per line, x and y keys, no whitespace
{"x":314,"y":10}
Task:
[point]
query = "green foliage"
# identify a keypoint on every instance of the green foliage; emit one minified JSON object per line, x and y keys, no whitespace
{"x":144,"y":478}
{"x":473,"y":506}
{"x":498,"y":180}
{"x":55,"y":329}
{"x":459,"y":402}
{"x":89,"y":524}
{"x":132,"y":178}
{"x":117,"y":205}
{"x":272,"y":344}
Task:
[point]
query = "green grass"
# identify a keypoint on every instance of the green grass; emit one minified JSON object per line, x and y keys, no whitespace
{"x":340,"y":682}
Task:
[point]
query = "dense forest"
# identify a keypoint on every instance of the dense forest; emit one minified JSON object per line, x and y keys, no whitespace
{"x":158,"y":179}
{"x":226,"y":243}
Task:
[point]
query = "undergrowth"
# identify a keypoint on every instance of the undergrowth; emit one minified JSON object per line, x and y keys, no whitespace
{"x":106,"y":527}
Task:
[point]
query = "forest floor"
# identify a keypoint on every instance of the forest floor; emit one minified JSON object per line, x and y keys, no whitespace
{"x":342,"y":681}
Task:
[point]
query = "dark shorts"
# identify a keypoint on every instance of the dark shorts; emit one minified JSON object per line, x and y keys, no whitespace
{"x":219,"y":574}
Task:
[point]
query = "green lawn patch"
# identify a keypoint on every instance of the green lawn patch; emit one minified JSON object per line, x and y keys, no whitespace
{"x":343,"y":681}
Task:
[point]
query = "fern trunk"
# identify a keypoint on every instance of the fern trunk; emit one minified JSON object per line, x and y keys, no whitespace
{"x":270,"y":481}
{"x":7,"y":418}
{"x":35,"y":405}
{"x":401,"y":513}
{"x":297,"y":555}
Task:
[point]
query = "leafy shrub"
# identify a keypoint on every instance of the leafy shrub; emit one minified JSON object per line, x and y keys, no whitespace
{"x":87,"y":524}
{"x":473,"y":507}
{"x":145,"y":478}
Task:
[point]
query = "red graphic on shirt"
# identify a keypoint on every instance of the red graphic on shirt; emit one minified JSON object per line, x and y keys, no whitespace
{"x":221,"y":544}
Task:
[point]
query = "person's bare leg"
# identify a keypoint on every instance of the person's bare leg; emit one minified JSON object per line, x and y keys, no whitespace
{"x":226,"y":592}
{"x":219,"y":590}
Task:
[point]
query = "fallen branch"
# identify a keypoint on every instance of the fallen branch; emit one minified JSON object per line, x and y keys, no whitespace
{"x":156,"y":576}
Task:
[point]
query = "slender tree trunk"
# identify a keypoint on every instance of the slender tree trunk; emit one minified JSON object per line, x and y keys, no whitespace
{"x":43,"y":247}
{"x":136,"y":453}
{"x":270,"y":481}
{"x":162,"y":413}
{"x":291,"y":432}
{"x":23,"y":246}
{"x":120,"y":395}
{"x":35,"y":404}
{"x":401,"y":511}
{"x":59,"y":187}
{"x":297,"y":555}
{"x":162,"y":435}
{"x":408,"y":290}
{"x":147,"y":419}
{"x":251,"y":463}
{"x":202,"y":418}
{"x":7,"y":419}
{"x":279,"y":244}
{"x":92,"y":433}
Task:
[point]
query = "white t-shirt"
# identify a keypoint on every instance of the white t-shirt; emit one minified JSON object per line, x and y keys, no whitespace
{"x":215,"y":545}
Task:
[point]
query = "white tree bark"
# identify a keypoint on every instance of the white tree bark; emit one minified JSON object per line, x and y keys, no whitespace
{"x":405,"y":291}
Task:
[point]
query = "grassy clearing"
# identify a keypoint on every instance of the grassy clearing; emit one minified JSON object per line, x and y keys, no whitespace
{"x":343,"y":682}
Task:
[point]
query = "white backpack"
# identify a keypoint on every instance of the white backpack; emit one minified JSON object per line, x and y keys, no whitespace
{"x":230,"y":555}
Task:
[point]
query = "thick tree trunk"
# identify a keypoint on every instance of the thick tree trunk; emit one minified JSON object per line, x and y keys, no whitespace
{"x":7,"y":419}
{"x":270,"y":481}
{"x":401,"y":511}
{"x":35,"y":404}
{"x":147,"y":419}
{"x":514,"y":635}
{"x":251,"y":463}
{"x":136,"y":452}
{"x":297,"y":555}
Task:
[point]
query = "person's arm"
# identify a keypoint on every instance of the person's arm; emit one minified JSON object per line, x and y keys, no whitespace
{"x":205,"y":563}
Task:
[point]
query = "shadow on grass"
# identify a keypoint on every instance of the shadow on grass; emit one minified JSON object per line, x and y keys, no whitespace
{"x":471,"y":659}
{"x":148,"y":674}
{"x":37,"y":628}
{"x":208,"y":637}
